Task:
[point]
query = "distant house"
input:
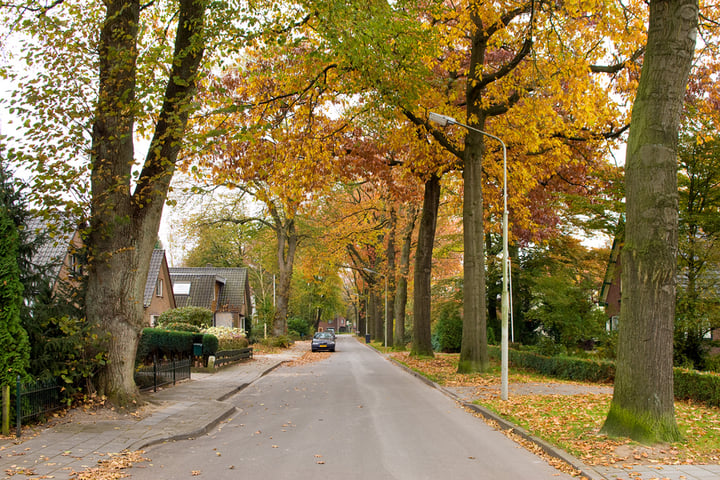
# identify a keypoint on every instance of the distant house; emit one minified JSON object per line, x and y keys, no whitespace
{"x":60,"y":257}
{"x":158,"y":288}
{"x":610,"y":291}
{"x":340,"y":324}
{"x":224,"y":291}
{"x":610,"y":294}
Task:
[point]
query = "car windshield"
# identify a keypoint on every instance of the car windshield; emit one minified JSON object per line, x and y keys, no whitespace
{"x":323,"y":335}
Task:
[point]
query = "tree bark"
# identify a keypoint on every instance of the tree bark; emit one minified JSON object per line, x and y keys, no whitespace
{"x":422,"y":335}
{"x":402,"y":281}
{"x":473,"y":351}
{"x":391,"y":270}
{"x":124,"y":225}
{"x":287,"y":239}
{"x":642,"y":406}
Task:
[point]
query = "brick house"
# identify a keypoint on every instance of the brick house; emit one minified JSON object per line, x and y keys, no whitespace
{"x":224,"y":291}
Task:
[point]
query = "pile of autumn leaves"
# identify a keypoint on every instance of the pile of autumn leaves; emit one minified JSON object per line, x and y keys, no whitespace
{"x":573,"y":422}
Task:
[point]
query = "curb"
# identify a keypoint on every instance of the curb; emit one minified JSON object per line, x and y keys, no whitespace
{"x":585,"y":471}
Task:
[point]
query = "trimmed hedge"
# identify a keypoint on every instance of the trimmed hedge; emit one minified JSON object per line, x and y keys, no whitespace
{"x":210,"y":344}
{"x":168,"y":343}
{"x":703,"y":387}
{"x":567,"y":368}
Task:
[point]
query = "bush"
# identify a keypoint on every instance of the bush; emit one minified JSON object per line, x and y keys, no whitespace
{"x":283,"y":341}
{"x":198,"y":316}
{"x":698,"y":386}
{"x":299,"y":326}
{"x":210,"y":344}
{"x":181,"y":327}
{"x":163,"y":343}
{"x":228,"y":338}
{"x":449,"y":327}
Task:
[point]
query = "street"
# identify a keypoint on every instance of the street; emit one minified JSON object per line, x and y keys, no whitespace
{"x":353,"y":415}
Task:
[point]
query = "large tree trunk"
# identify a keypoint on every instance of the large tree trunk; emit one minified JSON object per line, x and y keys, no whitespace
{"x":124,"y":226}
{"x":473,"y":351}
{"x":402,"y":281}
{"x":422,"y":335}
{"x":642,"y":406}
{"x":286,"y":247}
{"x":390,"y":311}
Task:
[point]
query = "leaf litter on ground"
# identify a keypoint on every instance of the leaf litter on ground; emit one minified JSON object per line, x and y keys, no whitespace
{"x":573,"y":422}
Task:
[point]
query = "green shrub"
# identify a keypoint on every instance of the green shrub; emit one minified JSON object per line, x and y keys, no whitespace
{"x":198,"y":316}
{"x":163,"y":343}
{"x":210,"y":344}
{"x":299,"y":326}
{"x":568,"y":368}
{"x":697,"y":386}
{"x":449,"y":327}
{"x":282,"y":341}
{"x":181,"y":327}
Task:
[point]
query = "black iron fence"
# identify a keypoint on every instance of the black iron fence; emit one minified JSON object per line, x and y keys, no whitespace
{"x":162,"y":372}
{"x":231,"y":356}
{"x":35,"y":399}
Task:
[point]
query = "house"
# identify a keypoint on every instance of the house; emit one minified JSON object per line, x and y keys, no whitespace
{"x":610,"y":291}
{"x":224,"y":291}
{"x":610,"y":294}
{"x":158,"y":288}
{"x":340,"y":324}
{"x":60,"y":255}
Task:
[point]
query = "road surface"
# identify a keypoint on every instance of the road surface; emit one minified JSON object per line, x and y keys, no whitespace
{"x":353,"y":415}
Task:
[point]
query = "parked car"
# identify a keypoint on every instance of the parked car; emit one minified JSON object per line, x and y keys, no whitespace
{"x":331,"y":330}
{"x":323,"y":341}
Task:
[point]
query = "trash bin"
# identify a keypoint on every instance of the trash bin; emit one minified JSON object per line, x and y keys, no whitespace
{"x":197,"y":349}
{"x":367,"y":338}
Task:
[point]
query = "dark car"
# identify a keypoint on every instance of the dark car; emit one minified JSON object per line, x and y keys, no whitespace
{"x":323,"y":341}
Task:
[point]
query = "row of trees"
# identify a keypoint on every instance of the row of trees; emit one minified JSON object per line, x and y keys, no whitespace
{"x":317,"y":99}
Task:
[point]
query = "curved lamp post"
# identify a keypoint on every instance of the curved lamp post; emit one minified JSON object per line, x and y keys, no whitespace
{"x":442,"y":121}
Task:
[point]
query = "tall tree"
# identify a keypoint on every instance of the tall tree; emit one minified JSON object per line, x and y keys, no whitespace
{"x":124,"y":223}
{"x":643,"y":402}
{"x":14,"y":345}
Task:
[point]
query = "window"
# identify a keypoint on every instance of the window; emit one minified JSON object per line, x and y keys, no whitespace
{"x":159,"y":288}
{"x":181,"y":288}
{"x":153,"y":320}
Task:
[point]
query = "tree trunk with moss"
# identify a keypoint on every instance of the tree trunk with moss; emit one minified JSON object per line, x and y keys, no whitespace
{"x":642,"y":407}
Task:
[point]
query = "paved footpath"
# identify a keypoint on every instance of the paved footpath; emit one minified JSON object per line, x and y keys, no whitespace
{"x":191,"y":409}
{"x":186,"y":410}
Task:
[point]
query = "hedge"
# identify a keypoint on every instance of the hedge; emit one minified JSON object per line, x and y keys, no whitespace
{"x":156,"y":341}
{"x":701,"y":387}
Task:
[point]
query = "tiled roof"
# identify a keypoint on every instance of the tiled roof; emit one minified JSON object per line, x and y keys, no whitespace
{"x":155,"y":265}
{"x":202,"y":282}
{"x":51,"y":253}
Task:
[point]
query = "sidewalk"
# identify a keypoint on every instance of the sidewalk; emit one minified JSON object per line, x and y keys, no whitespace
{"x":186,"y":410}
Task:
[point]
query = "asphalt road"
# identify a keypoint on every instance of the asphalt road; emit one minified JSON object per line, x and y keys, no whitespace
{"x":351,"y":416}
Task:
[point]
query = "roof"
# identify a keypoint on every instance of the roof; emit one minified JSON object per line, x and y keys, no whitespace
{"x":202,"y":281}
{"x":156,"y":262}
{"x":51,"y":253}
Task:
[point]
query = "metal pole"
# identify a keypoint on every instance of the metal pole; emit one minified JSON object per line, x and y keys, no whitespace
{"x":443,"y":120}
{"x":386,"y":310}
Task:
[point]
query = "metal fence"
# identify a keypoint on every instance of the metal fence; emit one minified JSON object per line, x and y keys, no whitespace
{"x":164,"y":372}
{"x":35,"y":399}
{"x":231,"y":356}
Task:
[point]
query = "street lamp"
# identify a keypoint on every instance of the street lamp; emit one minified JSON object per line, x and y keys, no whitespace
{"x":386,"y":302}
{"x":442,"y":121}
